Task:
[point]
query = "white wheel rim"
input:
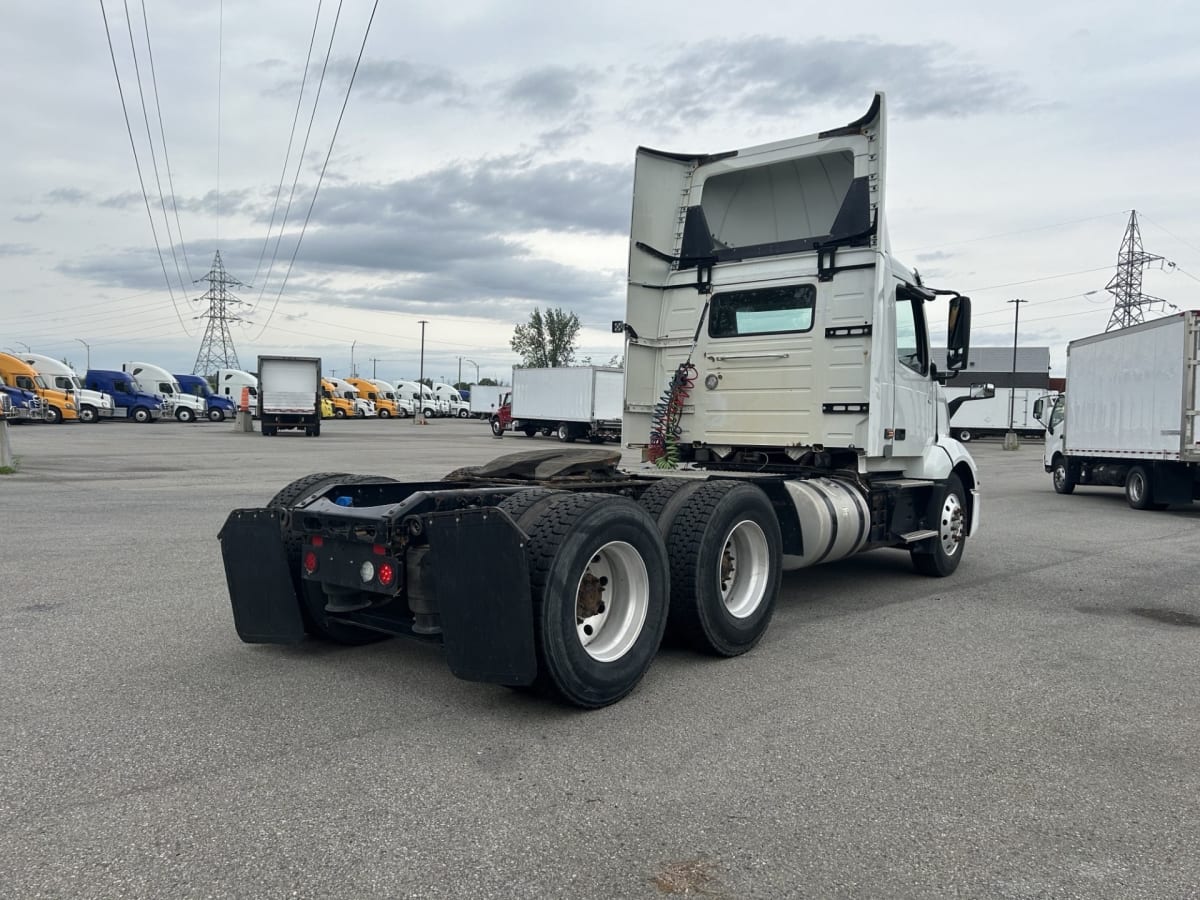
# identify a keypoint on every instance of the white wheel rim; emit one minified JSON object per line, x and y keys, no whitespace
{"x":745,"y":566}
{"x":950,"y":531}
{"x":612,"y":599}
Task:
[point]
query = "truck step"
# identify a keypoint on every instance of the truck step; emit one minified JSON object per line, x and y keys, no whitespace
{"x":902,"y":483}
{"x":913,"y":536}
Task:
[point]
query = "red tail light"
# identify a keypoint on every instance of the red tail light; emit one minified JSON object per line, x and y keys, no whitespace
{"x":386,"y":573}
{"x":318,"y":541}
{"x":310,"y":562}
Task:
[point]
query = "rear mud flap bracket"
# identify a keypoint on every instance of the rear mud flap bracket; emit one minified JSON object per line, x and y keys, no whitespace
{"x":482,"y":583}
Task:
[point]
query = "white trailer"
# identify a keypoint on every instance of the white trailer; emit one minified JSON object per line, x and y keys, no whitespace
{"x":289,"y":394}
{"x":571,"y":402}
{"x":775,"y":352}
{"x":486,"y":399}
{"x":990,"y":417}
{"x":1128,"y":417}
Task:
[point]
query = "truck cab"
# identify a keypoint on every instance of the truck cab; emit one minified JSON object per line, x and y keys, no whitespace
{"x":385,"y":407}
{"x":404,"y":405}
{"x":343,"y":407}
{"x":361,"y":406}
{"x":22,"y":405}
{"x":92,"y":406}
{"x":456,"y":406}
{"x":57,"y":406}
{"x":131,"y":402}
{"x":218,"y":407}
{"x":230,"y":383}
{"x":156,"y":380}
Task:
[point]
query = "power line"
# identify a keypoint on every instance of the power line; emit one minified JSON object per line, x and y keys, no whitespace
{"x":153,"y":156}
{"x":163,"y":135}
{"x":325,"y":165}
{"x":291,"y":138}
{"x":299,"y":164}
{"x":995,"y":287}
{"x":220,"y":70}
{"x":1171,"y":233}
{"x":988,"y":237}
{"x":138,"y":165}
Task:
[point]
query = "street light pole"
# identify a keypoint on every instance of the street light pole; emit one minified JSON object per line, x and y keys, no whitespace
{"x":476,"y":365}
{"x":421,"y":377}
{"x":1011,"y":441}
{"x":88,"y":347}
{"x":353,"y":371}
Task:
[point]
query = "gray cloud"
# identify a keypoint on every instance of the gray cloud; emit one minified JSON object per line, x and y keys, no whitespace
{"x":17,"y":250}
{"x":388,"y":80}
{"x":27,"y":218}
{"x":67,"y":195}
{"x":770,"y":76}
{"x":549,"y":91}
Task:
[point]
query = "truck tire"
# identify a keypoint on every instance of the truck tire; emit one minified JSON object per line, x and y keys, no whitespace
{"x":427,"y":412}
{"x":1062,"y":476}
{"x":530,"y":431}
{"x":1139,"y":489}
{"x":726,"y":555}
{"x":946,"y":550}
{"x":565,"y":434}
{"x":88,"y":415}
{"x":384,"y":414}
{"x":54,"y":415}
{"x":339,"y":413}
{"x":141,"y":414}
{"x":599,"y":584}
{"x":216,"y":415}
{"x":185,"y":414}
{"x":312,"y":599}
{"x":497,"y":430}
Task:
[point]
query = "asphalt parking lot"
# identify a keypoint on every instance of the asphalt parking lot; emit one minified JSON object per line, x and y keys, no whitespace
{"x":1026,"y":728}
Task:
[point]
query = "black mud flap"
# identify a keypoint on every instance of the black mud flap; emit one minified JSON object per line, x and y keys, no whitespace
{"x":265,"y":607}
{"x":482,"y":584}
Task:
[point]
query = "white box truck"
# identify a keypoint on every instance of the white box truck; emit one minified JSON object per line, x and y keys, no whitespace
{"x":289,"y":394}
{"x":990,"y":417}
{"x":775,"y":351}
{"x":486,"y":399}
{"x":1128,"y":417}
{"x":571,"y":402}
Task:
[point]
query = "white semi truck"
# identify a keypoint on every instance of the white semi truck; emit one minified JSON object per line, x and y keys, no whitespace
{"x":92,"y":405}
{"x":177,"y":402}
{"x":776,"y":354}
{"x":1128,"y":417}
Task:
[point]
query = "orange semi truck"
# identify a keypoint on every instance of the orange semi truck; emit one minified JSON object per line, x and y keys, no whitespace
{"x":57,"y":405}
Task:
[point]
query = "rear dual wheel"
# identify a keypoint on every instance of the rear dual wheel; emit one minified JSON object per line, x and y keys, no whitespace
{"x":1139,"y":489}
{"x":726,"y":553}
{"x":599,"y":585}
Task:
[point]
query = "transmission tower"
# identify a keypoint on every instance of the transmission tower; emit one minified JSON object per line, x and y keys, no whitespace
{"x":216,"y":349}
{"x":1126,"y":284}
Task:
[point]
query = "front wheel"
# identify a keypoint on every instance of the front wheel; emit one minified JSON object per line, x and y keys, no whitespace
{"x":599,"y":583}
{"x":462,"y":413}
{"x":185,"y":414}
{"x":216,"y":415}
{"x":946,"y":550}
{"x":339,"y":413}
{"x":1064,"y":480}
{"x":54,"y":415}
{"x":497,"y":429}
{"x":141,"y":414}
{"x":384,"y":414}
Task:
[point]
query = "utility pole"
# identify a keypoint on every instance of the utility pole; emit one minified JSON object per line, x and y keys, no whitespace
{"x":374,"y":374}
{"x":353,"y":371}
{"x":476,"y":365}
{"x":1011,"y":442}
{"x":1126,"y":284}
{"x":88,"y":347}
{"x":459,"y":371}
{"x":216,"y":347}
{"x":421,"y":377}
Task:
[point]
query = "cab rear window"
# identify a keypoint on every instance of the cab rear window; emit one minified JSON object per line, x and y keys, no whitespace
{"x":773,"y":310}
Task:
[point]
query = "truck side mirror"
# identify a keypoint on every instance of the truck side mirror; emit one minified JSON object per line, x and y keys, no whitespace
{"x":958,"y":338}
{"x":983,"y":391}
{"x":1038,"y":405}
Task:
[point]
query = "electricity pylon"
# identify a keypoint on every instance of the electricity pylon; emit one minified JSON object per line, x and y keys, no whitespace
{"x":216,"y":348}
{"x":1126,"y":284}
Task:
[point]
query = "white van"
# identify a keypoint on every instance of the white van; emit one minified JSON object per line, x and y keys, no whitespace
{"x":404,"y":404}
{"x":92,"y":405}
{"x":363,"y":408}
{"x":457,"y":406}
{"x":156,"y":380}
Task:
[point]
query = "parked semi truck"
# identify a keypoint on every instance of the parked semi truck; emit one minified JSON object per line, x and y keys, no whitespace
{"x":57,"y":406}
{"x":219,"y":408}
{"x":289,"y":394}
{"x":131,"y":401}
{"x":572,"y":403}
{"x":990,"y":417}
{"x":1128,"y":417}
{"x":23,"y":406}
{"x":384,"y":406}
{"x":231,"y":381}
{"x":456,"y":407}
{"x":92,"y":406}
{"x":152,"y":379}
{"x":774,"y":348}
{"x":387,"y":390}
{"x":361,"y":407}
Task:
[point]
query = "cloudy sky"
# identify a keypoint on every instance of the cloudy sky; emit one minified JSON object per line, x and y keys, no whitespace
{"x":483,"y":166}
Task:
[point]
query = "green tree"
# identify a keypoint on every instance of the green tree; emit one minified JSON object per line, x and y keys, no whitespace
{"x":548,"y":340}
